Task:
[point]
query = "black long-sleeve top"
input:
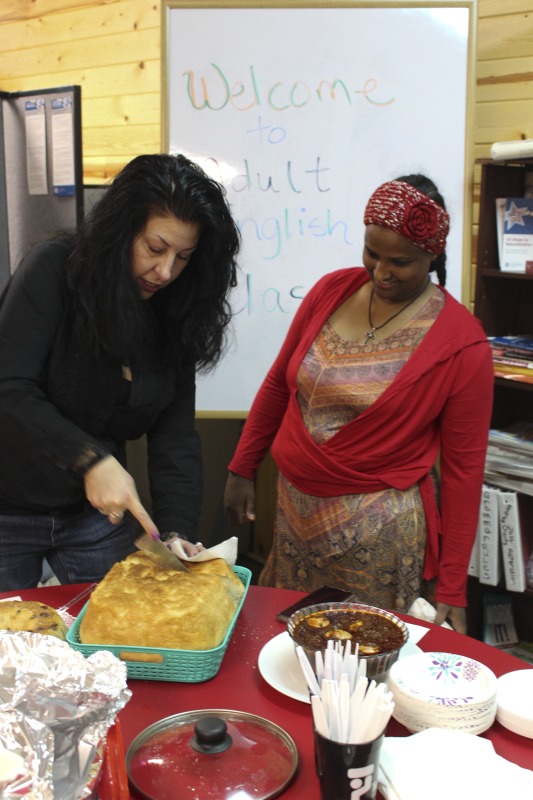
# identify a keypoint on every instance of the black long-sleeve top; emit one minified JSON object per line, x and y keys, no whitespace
{"x":61,"y":408}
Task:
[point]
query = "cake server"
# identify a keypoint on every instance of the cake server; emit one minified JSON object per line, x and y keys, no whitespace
{"x":157,"y":548}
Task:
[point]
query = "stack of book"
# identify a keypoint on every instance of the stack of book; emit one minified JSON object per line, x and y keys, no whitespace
{"x":504,"y":542}
{"x":503,"y":548}
{"x":512,"y":357}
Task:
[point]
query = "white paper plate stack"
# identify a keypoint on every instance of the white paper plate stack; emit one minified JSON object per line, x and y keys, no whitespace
{"x":515,"y":702}
{"x":443,"y":690}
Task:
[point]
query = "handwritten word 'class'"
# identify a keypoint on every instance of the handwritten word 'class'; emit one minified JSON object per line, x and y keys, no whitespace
{"x":273,"y":232}
{"x":270,"y":300}
{"x":213,"y":90}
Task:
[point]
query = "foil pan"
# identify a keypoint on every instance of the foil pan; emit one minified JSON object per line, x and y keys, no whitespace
{"x":56,"y":707}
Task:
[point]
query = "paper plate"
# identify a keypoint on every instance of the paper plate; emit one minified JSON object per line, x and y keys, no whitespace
{"x":515,"y":702}
{"x":443,"y":690}
{"x":445,"y":680}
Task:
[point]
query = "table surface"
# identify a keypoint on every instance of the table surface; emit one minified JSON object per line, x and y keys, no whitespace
{"x":240,"y":686}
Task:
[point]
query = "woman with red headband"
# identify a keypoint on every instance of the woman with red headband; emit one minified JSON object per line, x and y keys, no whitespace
{"x":382,"y":375}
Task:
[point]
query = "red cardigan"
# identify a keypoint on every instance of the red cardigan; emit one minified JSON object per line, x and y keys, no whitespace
{"x":440,"y":401}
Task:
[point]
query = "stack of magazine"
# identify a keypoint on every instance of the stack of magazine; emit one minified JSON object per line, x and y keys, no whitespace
{"x":509,"y":461}
{"x":512,"y":357}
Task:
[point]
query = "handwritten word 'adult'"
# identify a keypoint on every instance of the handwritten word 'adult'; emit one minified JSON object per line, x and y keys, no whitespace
{"x":214,"y":90}
{"x":275,"y":231}
{"x":287,"y":177}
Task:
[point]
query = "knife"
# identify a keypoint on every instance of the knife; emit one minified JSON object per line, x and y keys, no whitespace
{"x":157,"y":548}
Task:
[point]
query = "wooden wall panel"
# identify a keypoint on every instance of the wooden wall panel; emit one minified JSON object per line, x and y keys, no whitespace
{"x":111,"y":49}
{"x":74,"y":57}
{"x":504,"y":73}
{"x":503,"y":121}
{"x":494,"y":8}
{"x":95,"y":21}
{"x":505,"y":36}
{"x":505,"y":79}
{"x":112,"y":81}
{"x":23,"y":10}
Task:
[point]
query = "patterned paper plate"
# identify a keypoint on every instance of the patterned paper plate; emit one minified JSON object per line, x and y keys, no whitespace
{"x":443,"y":679}
{"x":443,"y":690}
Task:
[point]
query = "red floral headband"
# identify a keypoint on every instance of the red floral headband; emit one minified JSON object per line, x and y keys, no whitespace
{"x":412,"y":214}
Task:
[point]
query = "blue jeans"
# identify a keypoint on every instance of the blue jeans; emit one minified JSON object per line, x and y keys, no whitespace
{"x":81,"y":547}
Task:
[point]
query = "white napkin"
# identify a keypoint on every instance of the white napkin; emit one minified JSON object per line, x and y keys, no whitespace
{"x":441,"y":764}
{"x":421,"y":609}
{"x":226,"y":550}
{"x":416,"y":632}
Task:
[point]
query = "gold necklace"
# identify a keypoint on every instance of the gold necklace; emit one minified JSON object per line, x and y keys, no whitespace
{"x":373,"y":328}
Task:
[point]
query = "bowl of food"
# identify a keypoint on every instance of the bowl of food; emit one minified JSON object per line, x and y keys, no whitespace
{"x":379,"y":634}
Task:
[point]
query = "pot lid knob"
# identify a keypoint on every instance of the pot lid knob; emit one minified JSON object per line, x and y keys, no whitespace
{"x":210,"y":736}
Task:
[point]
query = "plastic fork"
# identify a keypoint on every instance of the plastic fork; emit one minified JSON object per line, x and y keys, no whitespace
{"x":63,"y":610}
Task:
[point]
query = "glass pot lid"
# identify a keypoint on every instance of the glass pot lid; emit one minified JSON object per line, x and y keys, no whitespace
{"x":212,"y":754}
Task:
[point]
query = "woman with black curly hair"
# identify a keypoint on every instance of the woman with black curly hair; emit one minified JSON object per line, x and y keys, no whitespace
{"x":101,"y":334}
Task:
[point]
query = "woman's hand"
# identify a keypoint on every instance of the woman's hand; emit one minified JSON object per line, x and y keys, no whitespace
{"x":111,"y":489}
{"x":188,"y":548}
{"x":455,"y":615}
{"x":192,"y":549}
{"x":239,"y":500}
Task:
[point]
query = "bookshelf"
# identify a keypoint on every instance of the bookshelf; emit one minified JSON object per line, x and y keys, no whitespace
{"x":503,"y":301}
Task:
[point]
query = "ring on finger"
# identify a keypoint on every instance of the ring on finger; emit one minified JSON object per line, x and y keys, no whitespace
{"x":116,"y":515}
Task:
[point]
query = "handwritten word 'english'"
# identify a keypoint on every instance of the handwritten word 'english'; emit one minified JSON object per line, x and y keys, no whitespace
{"x":213,"y":90}
{"x":273,"y":232}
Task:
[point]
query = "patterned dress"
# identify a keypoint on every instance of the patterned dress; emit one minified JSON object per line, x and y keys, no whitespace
{"x":372,"y":544}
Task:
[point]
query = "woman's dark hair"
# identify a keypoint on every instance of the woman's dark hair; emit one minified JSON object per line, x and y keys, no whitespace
{"x":427,"y":187}
{"x":187,"y":319}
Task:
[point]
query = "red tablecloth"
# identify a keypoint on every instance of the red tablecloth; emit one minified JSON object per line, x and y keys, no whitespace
{"x":239,"y":685}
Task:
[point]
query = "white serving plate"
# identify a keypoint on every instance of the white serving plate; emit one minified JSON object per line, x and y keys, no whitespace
{"x":279,"y":666}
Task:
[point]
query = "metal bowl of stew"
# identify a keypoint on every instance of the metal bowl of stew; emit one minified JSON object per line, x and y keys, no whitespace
{"x":379,"y":633}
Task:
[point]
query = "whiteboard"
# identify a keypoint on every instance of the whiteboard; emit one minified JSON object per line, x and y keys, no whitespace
{"x":301,"y":113}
